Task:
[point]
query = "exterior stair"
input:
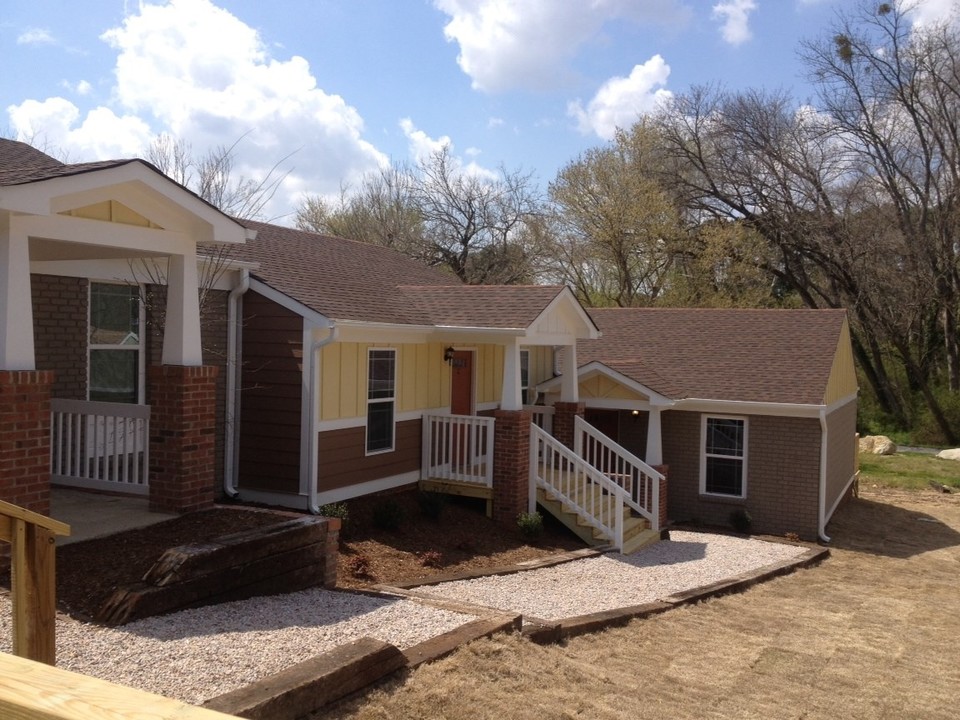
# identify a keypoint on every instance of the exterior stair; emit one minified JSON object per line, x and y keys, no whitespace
{"x":637,"y":533}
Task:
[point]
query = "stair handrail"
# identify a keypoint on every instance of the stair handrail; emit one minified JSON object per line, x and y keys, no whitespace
{"x":581,"y":467}
{"x":651,"y":513}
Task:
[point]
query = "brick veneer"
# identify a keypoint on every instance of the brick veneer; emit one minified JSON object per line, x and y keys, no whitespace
{"x":25,"y":438}
{"x":664,"y":499}
{"x":511,"y":465}
{"x":563,"y":420}
{"x":60,"y":325}
{"x":182,"y":442}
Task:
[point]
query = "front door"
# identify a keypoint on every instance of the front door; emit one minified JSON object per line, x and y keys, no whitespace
{"x":461,"y":388}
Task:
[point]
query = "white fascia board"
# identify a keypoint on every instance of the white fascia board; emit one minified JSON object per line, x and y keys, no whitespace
{"x":283,"y":300}
{"x":585,"y":372}
{"x":139,"y":240}
{"x":120,"y":270}
{"x":837,"y":404}
{"x":566,"y":296}
{"x":739,"y":407}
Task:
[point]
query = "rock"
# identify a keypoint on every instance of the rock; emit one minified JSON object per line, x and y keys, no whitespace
{"x":877,"y":445}
{"x":951,"y":454}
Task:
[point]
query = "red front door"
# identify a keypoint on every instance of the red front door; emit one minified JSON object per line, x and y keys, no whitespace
{"x":461,"y":388}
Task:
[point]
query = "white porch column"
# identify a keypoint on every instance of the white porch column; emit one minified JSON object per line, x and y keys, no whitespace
{"x":16,"y":305}
{"x":181,"y":332}
{"x":569,"y":382}
{"x":511,"y":397}
{"x":654,"y":438}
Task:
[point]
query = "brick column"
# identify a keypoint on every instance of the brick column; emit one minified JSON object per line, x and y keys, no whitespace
{"x":511,"y":465}
{"x":563,"y":420}
{"x":182,"y":437}
{"x":25,"y":438}
{"x":663,"y":470}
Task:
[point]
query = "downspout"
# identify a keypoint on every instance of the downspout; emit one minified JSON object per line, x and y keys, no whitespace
{"x":314,"y":416}
{"x":230,"y":432}
{"x":822,"y":519}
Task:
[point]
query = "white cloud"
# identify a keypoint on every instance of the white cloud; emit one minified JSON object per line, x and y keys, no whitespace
{"x":495,"y":122}
{"x":422,"y":146}
{"x":735,"y":15}
{"x":195,"y":71}
{"x":620,"y":101}
{"x":529,"y":44}
{"x":35,"y":36}
{"x":933,"y":11}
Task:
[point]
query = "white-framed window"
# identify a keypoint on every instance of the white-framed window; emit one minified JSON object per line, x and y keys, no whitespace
{"x":115,"y":343}
{"x":525,"y":376}
{"x":381,"y":399}
{"x":723,"y":458}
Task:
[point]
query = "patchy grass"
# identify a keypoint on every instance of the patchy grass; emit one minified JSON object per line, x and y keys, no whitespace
{"x":871,"y":633}
{"x":909,"y":471}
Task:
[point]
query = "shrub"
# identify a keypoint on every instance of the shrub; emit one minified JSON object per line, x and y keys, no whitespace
{"x":359,"y":566}
{"x":741,"y":521}
{"x":431,"y":559}
{"x":387,"y":515}
{"x":339,"y":511}
{"x":927,"y":431}
{"x":530,"y":524}
{"x":431,"y":504}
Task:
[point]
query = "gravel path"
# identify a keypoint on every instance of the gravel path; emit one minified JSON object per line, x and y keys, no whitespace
{"x":687,"y":561}
{"x":197,"y":654}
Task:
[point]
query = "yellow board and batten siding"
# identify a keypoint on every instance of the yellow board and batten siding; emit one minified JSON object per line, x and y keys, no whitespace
{"x":600,"y":386}
{"x":843,"y":376}
{"x":423,"y":378}
{"x":111,"y":211}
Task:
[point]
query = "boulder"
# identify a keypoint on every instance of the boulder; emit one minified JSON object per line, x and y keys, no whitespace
{"x":877,"y":445}
{"x":951,"y":454}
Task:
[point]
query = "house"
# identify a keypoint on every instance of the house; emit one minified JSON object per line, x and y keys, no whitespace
{"x":150,"y":344}
{"x":750,"y":410}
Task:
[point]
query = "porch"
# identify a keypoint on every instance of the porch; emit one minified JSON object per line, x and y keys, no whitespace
{"x":95,"y":514}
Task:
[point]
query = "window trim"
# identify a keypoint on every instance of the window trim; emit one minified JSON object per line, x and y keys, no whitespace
{"x":392,"y":400}
{"x":525,"y":386}
{"x":139,"y":348}
{"x":743,"y":457}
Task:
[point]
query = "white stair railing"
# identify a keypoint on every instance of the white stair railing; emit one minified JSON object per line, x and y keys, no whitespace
{"x":638,"y":479}
{"x":458,"y":448}
{"x":566,"y":477}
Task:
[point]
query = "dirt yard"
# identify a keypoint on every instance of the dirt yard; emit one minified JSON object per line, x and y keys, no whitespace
{"x":871,"y":633}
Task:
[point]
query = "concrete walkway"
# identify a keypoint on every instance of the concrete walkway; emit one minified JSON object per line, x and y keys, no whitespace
{"x":91,"y":515}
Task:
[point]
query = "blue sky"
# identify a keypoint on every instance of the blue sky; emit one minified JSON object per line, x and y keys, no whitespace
{"x":340,"y":87}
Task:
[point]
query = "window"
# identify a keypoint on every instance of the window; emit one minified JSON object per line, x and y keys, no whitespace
{"x":724,"y":462}
{"x":114,"y":338}
{"x":381,"y":394}
{"x":525,"y":376}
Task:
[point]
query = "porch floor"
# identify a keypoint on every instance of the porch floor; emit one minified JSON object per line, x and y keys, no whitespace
{"x":91,"y":514}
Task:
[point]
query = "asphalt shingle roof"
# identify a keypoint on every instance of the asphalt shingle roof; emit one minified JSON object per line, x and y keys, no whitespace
{"x":782,"y":356}
{"x":21,"y":164}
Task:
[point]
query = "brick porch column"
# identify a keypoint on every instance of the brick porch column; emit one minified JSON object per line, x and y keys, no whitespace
{"x":25,"y":438}
{"x":563,"y":420}
{"x":663,"y":470}
{"x":511,"y":465}
{"x":182,"y":437}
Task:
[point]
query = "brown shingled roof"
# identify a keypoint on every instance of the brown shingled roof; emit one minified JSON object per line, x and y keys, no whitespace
{"x":488,"y":306}
{"x":782,"y":356}
{"x":21,"y":164}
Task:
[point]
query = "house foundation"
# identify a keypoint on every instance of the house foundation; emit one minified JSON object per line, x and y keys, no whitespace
{"x":25,"y":438}
{"x":511,"y":465}
{"x":182,"y":437}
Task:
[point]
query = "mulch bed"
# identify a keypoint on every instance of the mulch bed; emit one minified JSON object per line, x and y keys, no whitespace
{"x":459,"y":539}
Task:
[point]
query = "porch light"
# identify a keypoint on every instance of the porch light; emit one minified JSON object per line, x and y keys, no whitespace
{"x":448,"y":355}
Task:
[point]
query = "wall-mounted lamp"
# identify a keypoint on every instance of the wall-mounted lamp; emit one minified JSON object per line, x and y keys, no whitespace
{"x":636,"y":414}
{"x":448,"y":355}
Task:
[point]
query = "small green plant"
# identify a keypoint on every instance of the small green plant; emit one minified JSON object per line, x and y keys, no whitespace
{"x":387,"y":515}
{"x":530,"y":524}
{"x":431,"y":504}
{"x":431,"y":559}
{"x":741,"y":521}
{"x":339,"y":511}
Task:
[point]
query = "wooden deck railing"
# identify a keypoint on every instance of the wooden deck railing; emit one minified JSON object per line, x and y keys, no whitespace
{"x":32,"y":580}
{"x":458,"y":448}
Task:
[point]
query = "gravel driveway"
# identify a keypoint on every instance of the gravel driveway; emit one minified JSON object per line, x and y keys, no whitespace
{"x":197,"y":654}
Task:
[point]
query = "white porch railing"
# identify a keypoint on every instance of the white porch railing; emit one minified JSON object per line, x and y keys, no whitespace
{"x":640,"y":481}
{"x":564,"y":475}
{"x":100,"y":445}
{"x":542,"y":416}
{"x":458,"y":448}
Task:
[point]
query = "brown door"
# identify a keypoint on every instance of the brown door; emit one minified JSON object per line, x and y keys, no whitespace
{"x":606,"y":421}
{"x":461,"y":389}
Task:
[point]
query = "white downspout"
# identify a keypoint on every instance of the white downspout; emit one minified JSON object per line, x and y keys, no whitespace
{"x":822,"y":519}
{"x":230,"y":430}
{"x":314,"y":421}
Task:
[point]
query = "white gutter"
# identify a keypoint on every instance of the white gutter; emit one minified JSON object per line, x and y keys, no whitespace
{"x":230,"y":424}
{"x":314,"y":422}
{"x":822,"y":515}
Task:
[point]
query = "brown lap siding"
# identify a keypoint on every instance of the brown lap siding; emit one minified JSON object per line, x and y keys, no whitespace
{"x":343,"y":460}
{"x":270,"y":396}
{"x":783,"y":474}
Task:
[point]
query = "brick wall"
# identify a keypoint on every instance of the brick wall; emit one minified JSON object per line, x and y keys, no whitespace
{"x":511,"y":465}
{"x":182,"y":428}
{"x":25,"y":438}
{"x":60,"y":319}
{"x":783,"y":474}
{"x":564,"y":422}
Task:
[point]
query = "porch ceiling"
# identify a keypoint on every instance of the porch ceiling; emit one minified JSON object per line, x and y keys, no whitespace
{"x":44,"y":249}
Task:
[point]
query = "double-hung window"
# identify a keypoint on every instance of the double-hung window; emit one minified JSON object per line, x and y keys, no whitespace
{"x":723,"y":469}
{"x":381,"y":398}
{"x":114,"y":342}
{"x":525,"y":376}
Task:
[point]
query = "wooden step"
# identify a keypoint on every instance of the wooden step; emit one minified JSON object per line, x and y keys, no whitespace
{"x":641,"y":540}
{"x":636,"y":530}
